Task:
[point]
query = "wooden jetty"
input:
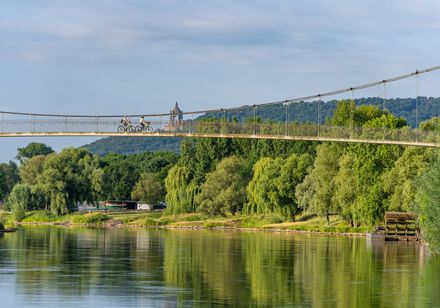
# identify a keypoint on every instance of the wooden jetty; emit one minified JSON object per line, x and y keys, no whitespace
{"x":398,"y":226}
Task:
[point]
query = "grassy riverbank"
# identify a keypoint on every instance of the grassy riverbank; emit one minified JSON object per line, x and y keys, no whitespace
{"x":304,"y":222}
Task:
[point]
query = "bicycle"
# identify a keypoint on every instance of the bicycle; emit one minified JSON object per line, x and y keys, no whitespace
{"x":126,"y":128}
{"x":146,"y":128}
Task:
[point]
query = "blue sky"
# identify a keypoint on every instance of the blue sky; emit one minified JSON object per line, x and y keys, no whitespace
{"x":133,"y":56}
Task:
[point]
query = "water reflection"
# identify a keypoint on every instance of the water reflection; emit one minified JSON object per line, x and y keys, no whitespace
{"x":56,"y":266}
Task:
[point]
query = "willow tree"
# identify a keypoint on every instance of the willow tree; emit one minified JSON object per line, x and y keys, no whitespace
{"x":345,"y":188}
{"x":180,"y":191}
{"x":271,"y":190}
{"x":262,"y":191}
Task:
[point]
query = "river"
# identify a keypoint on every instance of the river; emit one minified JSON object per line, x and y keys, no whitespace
{"x":84,"y":267}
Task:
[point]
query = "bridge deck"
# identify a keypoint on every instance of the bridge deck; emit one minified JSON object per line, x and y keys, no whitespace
{"x":226,"y":135}
{"x":98,"y":127}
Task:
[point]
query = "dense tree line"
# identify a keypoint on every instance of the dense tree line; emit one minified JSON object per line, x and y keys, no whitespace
{"x":59,"y":182}
{"x":358,"y":182}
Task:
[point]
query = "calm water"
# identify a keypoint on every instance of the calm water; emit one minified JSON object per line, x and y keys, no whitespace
{"x":79,"y":267}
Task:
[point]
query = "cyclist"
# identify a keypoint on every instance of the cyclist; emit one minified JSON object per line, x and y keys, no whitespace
{"x":125,"y":122}
{"x":144,"y":123}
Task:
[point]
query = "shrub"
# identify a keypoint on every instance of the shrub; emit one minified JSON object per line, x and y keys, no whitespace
{"x":165,"y":221}
{"x":91,"y":218}
{"x":40,"y":216}
{"x":214,"y":224}
{"x":192,"y":218}
{"x":151,"y":222}
{"x":260,"y":220}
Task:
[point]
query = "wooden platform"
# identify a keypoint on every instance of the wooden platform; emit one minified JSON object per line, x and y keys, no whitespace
{"x":398,"y":226}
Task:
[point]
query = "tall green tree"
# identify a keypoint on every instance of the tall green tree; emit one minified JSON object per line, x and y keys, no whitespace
{"x":180,"y":191}
{"x":119,"y":177}
{"x":272,"y":187}
{"x":31,"y":168}
{"x":224,"y":191}
{"x":262,"y":191}
{"x":19,"y":200}
{"x":33,"y":149}
{"x":315,"y":193}
{"x":345,"y":193}
{"x":400,"y":182}
{"x":293,"y":172}
{"x":427,"y":202}
{"x":70,"y":177}
{"x":9,"y":177}
{"x":149,"y":189}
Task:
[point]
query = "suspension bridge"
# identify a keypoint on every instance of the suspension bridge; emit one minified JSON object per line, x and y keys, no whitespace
{"x":196,"y":123}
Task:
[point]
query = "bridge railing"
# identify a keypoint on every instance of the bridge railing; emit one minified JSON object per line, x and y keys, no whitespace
{"x":108,"y":125}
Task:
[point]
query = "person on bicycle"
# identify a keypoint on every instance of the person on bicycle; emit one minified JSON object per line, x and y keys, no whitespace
{"x":144,"y":124}
{"x":125,"y":122}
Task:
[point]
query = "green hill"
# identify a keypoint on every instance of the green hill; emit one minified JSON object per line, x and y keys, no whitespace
{"x":132,"y":145}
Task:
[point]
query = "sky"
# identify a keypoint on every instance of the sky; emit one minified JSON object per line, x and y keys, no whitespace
{"x":133,"y":56}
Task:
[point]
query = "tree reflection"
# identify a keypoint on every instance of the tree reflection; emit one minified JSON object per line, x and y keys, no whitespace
{"x":200,"y":268}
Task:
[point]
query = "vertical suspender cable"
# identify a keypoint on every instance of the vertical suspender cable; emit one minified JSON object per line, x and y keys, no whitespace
{"x":384,"y":94}
{"x":417,"y":105}
{"x":224,"y":121}
{"x":319,"y":113}
{"x":255,"y":119}
{"x":417,"y":99}
{"x":352,"y":112}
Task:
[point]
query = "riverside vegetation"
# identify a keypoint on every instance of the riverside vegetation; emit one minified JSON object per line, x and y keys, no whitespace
{"x":239,"y":183}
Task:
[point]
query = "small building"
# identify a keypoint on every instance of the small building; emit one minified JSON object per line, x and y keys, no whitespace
{"x":123,"y":205}
{"x":144,"y":206}
{"x":118,"y":205}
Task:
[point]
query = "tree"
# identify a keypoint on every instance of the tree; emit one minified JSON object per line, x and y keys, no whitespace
{"x":315,"y":193}
{"x":224,"y":191}
{"x":119,"y":178}
{"x":293,"y":172}
{"x":180,"y":191}
{"x":345,"y":187}
{"x":262,"y":191}
{"x":427,"y":202}
{"x":33,"y":149}
{"x":400,"y":182}
{"x":70,"y":177}
{"x":148,"y":189}
{"x":9,"y":177}
{"x":2,"y":186}
{"x":19,"y":200}
{"x":31,"y":168}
